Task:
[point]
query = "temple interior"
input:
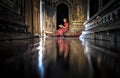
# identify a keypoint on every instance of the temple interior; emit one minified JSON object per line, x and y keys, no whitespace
{"x":89,"y":46}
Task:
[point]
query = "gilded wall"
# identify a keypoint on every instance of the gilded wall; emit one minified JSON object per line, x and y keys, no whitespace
{"x":77,"y":14}
{"x":50,"y":19}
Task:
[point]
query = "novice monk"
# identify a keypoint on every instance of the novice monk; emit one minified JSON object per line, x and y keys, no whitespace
{"x":63,"y":28}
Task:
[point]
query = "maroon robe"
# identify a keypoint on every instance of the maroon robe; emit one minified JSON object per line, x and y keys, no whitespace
{"x":61,"y":31}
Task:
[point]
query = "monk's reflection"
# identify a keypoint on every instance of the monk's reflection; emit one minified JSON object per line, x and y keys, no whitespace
{"x":63,"y":52}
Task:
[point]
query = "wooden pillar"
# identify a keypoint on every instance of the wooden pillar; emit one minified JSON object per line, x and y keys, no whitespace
{"x":36,"y":17}
{"x":28,"y":15}
{"x":32,"y":16}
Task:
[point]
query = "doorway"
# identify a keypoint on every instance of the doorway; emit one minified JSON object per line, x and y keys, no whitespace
{"x":62,"y":12}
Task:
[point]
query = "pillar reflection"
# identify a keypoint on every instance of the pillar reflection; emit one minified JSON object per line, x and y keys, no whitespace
{"x":41,"y":49}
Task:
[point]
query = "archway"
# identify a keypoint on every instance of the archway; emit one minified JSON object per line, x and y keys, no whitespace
{"x":62,"y":12}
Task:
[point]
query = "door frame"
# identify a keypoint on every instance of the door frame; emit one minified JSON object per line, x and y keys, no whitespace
{"x":70,"y":8}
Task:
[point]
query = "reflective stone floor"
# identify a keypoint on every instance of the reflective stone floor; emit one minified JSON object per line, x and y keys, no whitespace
{"x":59,"y":58}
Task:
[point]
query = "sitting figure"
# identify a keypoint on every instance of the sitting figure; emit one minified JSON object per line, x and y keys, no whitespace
{"x":63,"y":28}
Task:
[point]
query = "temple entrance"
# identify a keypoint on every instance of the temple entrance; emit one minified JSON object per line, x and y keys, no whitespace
{"x":62,"y":12}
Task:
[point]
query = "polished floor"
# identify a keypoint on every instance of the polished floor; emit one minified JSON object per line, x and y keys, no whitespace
{"x":59,"y":58}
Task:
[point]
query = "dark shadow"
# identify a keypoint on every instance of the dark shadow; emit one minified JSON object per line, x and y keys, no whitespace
{"x":93,"y":7}
{"x":62,"y":12}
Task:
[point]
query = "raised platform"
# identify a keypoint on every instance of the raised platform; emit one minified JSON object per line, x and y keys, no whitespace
{"x":67,"y":34}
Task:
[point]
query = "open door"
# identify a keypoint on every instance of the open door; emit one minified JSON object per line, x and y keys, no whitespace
{"x":62,"y":12}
